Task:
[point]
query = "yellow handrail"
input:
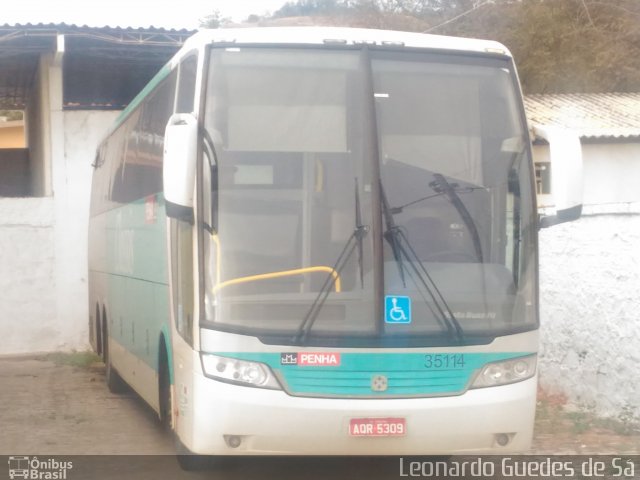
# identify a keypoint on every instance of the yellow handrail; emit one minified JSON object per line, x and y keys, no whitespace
{"x":283,"y":273}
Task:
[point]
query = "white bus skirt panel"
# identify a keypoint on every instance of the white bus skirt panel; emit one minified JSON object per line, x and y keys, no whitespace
{"x":271,"y":422}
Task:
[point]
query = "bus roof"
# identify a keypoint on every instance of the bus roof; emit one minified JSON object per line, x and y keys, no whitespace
{"x":341,"y":36}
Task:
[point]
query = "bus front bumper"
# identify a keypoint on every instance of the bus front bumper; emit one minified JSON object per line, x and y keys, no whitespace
{"x":227,"y":419}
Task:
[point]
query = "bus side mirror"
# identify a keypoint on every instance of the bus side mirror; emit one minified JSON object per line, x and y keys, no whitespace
{"x":565,"y":154}
{"x":179,"y":165}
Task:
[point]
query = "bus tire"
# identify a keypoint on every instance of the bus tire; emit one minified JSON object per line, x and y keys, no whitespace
{"x":115,"y":383}
{"x":97,"y":325}
{"x":164,"y":389}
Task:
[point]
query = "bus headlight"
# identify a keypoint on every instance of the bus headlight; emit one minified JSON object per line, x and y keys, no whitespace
{"x":506,"y":371}
{"x":240,"y":372}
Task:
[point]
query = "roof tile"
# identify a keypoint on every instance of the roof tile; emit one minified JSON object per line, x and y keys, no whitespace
{"x":593,"y":115}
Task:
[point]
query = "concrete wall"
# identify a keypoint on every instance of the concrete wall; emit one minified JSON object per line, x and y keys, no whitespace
{"x":38,"y":126}
{"x":83,"y":130}
{"x":43,"y":245}
{"x":43,"y":241}
{"x":590,"y":284}
{"x":611,"y":172}
{"x":29,"y":320}
{"x":590,"y":304}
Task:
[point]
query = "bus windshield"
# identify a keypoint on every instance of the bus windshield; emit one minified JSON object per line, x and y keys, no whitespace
{"x":367,"y":196}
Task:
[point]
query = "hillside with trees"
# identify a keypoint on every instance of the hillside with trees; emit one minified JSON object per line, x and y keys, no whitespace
{"x":560,"y":46}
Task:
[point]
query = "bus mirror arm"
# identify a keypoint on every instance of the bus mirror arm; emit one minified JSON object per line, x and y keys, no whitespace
{"x":561,"y":216}
{"x":179,"y":165}
{"x":179,"y":212}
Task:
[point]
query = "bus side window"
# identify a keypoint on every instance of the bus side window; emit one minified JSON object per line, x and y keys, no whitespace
{"x":156,"y":115}
{"x":187,"y":84}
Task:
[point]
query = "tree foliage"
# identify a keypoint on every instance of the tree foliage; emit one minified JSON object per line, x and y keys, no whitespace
{"x":214,"y":20}
{"x":10,"y":115}
{"x":560,"y":46}
{"x":564,"y":45}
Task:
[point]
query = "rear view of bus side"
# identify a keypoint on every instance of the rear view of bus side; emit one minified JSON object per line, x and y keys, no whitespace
{"x":322,"y":241}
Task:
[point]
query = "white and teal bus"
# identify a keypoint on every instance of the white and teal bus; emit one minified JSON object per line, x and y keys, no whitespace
{"x":323,"y":241}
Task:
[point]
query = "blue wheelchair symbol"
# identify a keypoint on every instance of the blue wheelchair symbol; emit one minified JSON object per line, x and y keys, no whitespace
{"x":397,"y":309}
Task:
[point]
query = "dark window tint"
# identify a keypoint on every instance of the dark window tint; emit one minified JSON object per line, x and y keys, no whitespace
{"x":139,"y":171}
{"x":187,"y":84}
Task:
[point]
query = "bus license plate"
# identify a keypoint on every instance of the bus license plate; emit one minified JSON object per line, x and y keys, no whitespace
{"x":377,"y":427}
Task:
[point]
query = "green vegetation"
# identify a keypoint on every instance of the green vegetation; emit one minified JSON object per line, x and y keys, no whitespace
{"x":560,"y":46}
{"x":12,"y":114}
{"x":553,"y":416}
{"x":564,"y":46}
{"x":215,"y":20}
{"x":74,"y":359}
{"x":580,"y":421}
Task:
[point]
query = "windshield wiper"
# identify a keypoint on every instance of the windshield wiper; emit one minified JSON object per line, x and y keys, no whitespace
{"x":456,"y":188}
{"x":355,"y":240}
{"x":392,"y":234}
{"x":401,"y":246}
{"x":360,"y":231}
{"x":441,"y":186}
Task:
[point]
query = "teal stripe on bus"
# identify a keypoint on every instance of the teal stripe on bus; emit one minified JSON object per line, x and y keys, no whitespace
{"x":137,"y":278}
{"x":407,"y":374}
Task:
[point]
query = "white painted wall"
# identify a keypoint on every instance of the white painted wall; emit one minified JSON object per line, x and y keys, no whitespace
{"x":43,"y":241}
{"x":590,"y":288}
{"x":28,"y":303}
{"x":590,"y":312}
{"x":82,"y":131}
{"x":611,"y":172}
{"x":43,"y":246}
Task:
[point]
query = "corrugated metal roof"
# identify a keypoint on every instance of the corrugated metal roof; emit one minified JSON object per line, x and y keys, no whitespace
{"x":86,"y":48}
{"x":10,"y":34}
{"x":66,"y":27}
{"x":592,"y":115}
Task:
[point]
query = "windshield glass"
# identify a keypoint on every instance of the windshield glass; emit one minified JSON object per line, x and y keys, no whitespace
{"x":308,"y":143}
{"x":287,"y":127}
{"x":456,"y":176}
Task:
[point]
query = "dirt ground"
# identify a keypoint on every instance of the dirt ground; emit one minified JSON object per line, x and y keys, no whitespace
{"x":52,"y":406}
{"x":60,"y":405}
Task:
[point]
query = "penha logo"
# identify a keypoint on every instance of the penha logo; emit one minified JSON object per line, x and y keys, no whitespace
{"x":310,"y":359}
{"x":319,"y":359}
